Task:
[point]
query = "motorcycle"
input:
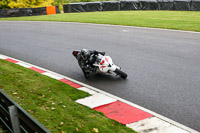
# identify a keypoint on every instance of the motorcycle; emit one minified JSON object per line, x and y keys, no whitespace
{"x":104,"y":64}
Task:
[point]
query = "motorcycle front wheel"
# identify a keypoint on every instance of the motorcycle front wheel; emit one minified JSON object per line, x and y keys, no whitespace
{"x":121,"y":73}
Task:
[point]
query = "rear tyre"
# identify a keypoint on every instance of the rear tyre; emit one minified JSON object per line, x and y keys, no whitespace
{"x":121,"y":73}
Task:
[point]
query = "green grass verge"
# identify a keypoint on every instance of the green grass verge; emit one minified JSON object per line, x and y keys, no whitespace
{"x":179,"y":20}
{"x":52,"y":102}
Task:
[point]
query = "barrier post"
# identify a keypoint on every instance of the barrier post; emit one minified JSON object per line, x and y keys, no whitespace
{"x":14,"y":118}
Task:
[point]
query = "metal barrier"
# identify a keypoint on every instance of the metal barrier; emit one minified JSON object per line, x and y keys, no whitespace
{"x":179,"y":5}
{"x":17,"y":12}
{"x":15,"y":119}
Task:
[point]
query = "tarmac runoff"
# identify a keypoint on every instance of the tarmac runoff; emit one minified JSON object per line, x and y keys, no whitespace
{"x":125,"y":112}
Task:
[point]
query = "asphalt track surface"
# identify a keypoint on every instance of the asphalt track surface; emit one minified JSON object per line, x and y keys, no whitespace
{"x":163,"y":66}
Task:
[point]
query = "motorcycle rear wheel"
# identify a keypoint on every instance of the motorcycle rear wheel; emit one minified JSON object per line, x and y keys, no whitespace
{"x":121,"y":73}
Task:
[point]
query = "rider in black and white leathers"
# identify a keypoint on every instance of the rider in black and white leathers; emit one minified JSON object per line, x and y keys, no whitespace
{"x":86,"y":58}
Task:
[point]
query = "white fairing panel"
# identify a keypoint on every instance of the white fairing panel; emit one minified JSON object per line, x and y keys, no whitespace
{"x":106,"y":64}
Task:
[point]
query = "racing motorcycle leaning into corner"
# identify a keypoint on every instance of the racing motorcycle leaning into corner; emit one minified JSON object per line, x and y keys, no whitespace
{"x":92,"y":61}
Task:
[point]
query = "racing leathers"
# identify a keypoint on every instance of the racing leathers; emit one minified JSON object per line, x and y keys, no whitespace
{"x":87,"y":64}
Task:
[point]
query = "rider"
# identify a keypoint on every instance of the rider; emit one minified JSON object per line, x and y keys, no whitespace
{"x":86,"y":59}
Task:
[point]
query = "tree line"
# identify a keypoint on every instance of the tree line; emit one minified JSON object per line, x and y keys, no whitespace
{"x":7,"y":4}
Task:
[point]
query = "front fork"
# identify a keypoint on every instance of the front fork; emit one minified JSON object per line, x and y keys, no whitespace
{"x":112,"y":70}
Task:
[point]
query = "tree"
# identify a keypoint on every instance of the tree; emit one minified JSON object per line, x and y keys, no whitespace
{"x":24,"y":3}
{"x":3,"y":4}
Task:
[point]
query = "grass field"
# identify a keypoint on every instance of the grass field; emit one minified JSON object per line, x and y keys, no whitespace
{"x":52,"y":102}
{"x":179,"y":20}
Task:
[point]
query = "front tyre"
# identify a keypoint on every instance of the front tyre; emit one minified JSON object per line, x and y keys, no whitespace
{"x":121,"y":73}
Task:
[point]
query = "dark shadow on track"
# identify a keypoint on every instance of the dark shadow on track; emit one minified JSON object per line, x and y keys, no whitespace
{"x":104,"y":77}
